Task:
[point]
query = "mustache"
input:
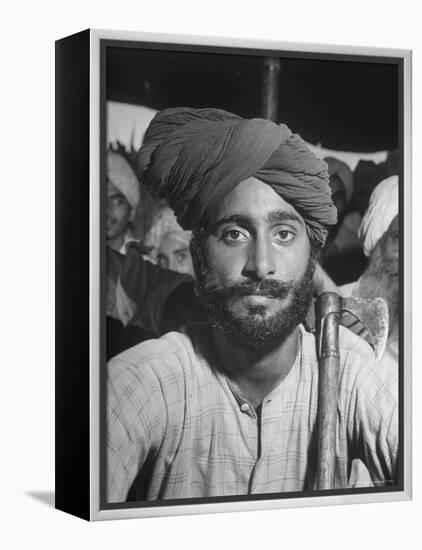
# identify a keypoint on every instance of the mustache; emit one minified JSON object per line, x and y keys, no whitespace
{"x":268,"y":288}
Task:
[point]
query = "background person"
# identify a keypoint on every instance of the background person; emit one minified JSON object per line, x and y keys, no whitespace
{"x":122,"y":200}
{"x":169,"y":244}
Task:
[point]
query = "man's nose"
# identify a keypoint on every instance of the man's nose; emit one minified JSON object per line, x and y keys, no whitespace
{"x":260,"y":262}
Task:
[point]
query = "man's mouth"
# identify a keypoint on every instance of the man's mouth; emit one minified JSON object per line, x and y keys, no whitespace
{"x":257,"y":299}
{"x":266,"y":293}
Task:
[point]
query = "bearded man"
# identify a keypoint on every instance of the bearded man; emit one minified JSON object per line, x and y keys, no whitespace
{"x":229,"y":406}
{"x":379,"y":233}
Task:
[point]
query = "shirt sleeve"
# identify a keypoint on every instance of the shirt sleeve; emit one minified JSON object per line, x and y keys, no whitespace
{"x":135,"y":424}
{"x":374,"y":426}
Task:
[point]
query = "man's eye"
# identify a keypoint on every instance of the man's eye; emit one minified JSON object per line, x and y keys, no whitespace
{"x":162,"y":261}
{"x":285,"y":235}
{"x":234,"y":235}
{"x":118,"y":201}
{"x":182,"y":256}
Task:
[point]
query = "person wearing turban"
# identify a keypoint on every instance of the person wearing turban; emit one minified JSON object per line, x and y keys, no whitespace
{"x":122,"y":200}
{"x":378,"y":219}
{"x":382,"y":209}
{"x":169,"y":244}
{"x":379,"y":234}
{"x":227,"y":407}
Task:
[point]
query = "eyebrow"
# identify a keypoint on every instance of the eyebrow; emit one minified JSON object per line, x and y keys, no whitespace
{"x":234,"y":218}
{"x":277,"y":216}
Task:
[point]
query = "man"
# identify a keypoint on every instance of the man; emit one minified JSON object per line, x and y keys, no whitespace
{"x":379,"y":233}
{"x":169,"y":243}
{"x":229,"y":406}
{"x":381,"y":278}
{"x":122,"y":201}
{"x":174,"y":253}
{"x":145,"y":300}
{"x":382,"y":209}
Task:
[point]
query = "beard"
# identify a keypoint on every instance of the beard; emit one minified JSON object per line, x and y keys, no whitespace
{"x":254,"y":327}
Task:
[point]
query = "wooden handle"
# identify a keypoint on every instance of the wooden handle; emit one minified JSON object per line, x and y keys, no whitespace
{"x":329,"y":308}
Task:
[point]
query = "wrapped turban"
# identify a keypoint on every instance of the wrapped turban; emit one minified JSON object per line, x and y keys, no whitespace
{"x":121,"y":175}
{"x":196,"y":157}
{"x":164,"y":223}
{"x":382,"y":209}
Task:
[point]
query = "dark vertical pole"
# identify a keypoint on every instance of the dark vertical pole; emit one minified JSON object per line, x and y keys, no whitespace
{"x":270,"y":88}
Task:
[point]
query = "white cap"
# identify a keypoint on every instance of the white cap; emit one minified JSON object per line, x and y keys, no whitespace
{"x":382,"y":209}
{"x":121,"y":175}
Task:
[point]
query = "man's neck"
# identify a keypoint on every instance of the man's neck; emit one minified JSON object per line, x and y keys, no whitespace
{"x":256,"y":373}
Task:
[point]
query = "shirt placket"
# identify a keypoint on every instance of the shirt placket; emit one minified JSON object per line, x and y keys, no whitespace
{"x":259,"y":475}
{"x":247,"y":412}
{"x":253,"y":420}
{"x":261,"y":430}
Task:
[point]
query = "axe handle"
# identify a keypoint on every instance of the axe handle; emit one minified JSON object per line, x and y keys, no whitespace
{"x":328,"y":317}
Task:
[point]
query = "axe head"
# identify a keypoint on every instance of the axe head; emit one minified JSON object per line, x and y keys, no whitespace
{"x":367,"y":317}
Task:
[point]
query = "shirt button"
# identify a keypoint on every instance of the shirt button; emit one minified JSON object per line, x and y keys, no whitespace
{"x":244,"y":407}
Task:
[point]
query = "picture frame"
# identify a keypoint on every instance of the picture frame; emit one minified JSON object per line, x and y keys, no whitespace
{"x":85,"y":73}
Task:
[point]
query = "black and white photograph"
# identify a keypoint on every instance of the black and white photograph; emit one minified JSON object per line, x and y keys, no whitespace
{"x":211,"y":267}
{"x":252,"y":238}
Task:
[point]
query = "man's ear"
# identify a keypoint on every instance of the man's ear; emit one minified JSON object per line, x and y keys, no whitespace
{"x":132,"y":215}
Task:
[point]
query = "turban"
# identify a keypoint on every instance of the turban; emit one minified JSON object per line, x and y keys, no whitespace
{"x":341,"y":169}
{"x":164,"y":223}
{"x":382,"y":209}
{"x":121,"y":175}
{"x":196,"y":157}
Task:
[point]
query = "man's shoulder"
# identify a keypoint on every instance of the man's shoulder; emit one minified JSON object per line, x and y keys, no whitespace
{"x":356,"y":355}
{"x":172,"y":347}
{"x":352,"y":343}
{"x":173,"y":355}
{"x":357,"y":358}
{"x":360,"y":369}
{"x":349,"y":344}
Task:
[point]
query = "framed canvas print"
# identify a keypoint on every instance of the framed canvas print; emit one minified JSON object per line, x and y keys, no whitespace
{"x":233,"y":275}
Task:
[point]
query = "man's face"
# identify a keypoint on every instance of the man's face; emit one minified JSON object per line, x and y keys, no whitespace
{"x":118,"y":212}
{"x":174,"y":253}
{"x":257,"y":279}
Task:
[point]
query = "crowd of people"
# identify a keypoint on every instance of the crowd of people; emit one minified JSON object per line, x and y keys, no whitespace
{"x":160,"y":281}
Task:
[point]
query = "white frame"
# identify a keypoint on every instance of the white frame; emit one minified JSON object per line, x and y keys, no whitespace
{"x":123,"y":513}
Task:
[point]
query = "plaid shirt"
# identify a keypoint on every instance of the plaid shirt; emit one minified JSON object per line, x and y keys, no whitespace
{"x":179,"y":423}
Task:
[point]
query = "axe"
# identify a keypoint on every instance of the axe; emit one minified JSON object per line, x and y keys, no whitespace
{"x":367,"y":317}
